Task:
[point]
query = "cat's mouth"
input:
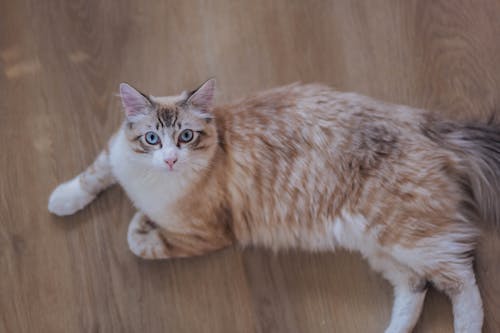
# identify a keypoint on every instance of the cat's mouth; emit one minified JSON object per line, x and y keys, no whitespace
{"x":170,"y":168}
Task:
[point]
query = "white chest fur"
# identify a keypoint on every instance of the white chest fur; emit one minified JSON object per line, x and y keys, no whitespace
{"x":152,"y":191}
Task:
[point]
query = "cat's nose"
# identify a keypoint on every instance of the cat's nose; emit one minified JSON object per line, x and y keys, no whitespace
{"x":171,"y":161}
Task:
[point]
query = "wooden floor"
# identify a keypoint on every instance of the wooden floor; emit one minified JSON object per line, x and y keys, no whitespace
{"x":60,"y":66}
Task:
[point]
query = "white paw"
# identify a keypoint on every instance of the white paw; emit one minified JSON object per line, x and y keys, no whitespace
{"x":69,"y":198}
{"x":144,"y":239}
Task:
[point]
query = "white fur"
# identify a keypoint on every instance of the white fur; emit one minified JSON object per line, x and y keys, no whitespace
{"x":146,"y":179}
{"x":467,"y":307}
{"x":349,"y":232}
{"x":169,"y":151}
{"x":406,"y":309}
{"x":69,"y":198}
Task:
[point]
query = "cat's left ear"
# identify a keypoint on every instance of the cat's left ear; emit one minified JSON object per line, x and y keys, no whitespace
{"x":202,"y":98}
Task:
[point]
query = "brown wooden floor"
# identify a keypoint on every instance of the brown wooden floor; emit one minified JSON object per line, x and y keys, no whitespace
{"x":60,"y":66}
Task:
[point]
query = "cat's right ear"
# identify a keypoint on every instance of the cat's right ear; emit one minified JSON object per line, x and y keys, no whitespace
{"x":135,"y":103}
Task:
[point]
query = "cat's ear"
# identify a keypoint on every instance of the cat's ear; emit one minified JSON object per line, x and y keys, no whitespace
{"x":134,"y":102}
{"x":203,"y":97}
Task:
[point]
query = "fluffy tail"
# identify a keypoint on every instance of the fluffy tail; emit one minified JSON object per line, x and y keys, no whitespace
{"x":479,"y":147}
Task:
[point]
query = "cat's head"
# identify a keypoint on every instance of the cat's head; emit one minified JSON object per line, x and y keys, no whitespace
{"x":171,"y":134}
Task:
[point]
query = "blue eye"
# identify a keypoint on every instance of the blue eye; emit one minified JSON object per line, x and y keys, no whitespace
{"x":186,"y":136}
{"x":152,"y":138}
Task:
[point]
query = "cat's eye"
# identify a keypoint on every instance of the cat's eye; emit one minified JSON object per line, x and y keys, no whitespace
{"x":152,"y":138}
{"x":186,"y":136}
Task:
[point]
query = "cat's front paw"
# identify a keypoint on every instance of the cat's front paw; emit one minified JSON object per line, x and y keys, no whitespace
{"x":145,"y":239}
{"x":69,"y":198}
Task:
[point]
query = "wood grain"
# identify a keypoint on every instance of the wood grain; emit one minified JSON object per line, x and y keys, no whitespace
{"x":60,"y":65}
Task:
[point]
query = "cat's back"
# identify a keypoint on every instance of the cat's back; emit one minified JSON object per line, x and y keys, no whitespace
{"x":278,"y":104}
{"x":299,"y":105}
{"x":301,"y":155}
{"x":312,"y":114}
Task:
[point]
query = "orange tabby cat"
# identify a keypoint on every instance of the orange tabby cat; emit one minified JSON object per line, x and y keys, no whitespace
{"x":306,"y":166}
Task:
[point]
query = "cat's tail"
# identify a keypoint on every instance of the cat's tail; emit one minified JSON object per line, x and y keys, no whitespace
{"x":478,"y":148}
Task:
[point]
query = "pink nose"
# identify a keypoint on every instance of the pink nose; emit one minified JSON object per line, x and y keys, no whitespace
{"x":171,"y":161}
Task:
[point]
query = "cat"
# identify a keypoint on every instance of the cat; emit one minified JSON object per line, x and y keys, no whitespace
{"x":304,"y":166}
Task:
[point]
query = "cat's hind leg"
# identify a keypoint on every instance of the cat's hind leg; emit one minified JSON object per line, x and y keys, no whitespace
{"x":148,"y":240}
{"x":71,"y":196}
{"x":459,"y":283}
{"x":408,"y":302}
{"x":409,"y":293}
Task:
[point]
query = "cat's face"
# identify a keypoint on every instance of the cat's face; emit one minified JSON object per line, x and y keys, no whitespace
{"x":171,"y":134}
